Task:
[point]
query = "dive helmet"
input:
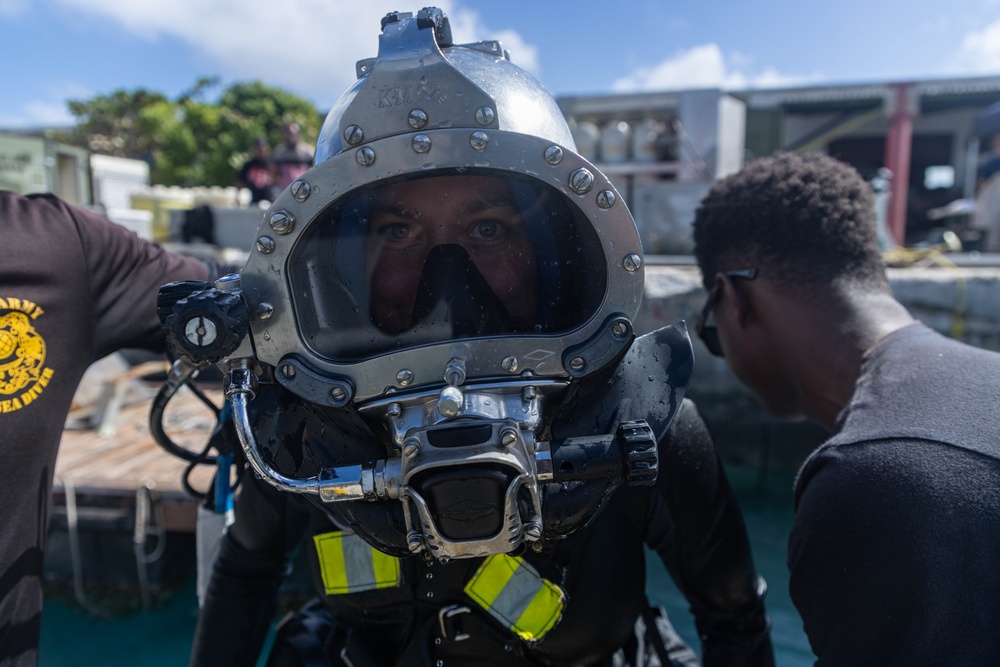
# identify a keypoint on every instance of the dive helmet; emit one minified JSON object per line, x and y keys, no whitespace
{"x":425,"y":336}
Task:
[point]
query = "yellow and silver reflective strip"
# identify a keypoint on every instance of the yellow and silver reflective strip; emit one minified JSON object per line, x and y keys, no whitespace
{"x":348,"y":564}
{"x":513,"y":592}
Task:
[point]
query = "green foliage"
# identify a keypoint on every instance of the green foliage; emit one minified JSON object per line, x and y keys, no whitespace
{"x":189,"y":141}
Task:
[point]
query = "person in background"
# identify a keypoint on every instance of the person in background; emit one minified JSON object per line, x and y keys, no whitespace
{"x":894,"y":544}
{"x":258,"y":174}
{"x":292,"y":158}
{"x":74,"y":287}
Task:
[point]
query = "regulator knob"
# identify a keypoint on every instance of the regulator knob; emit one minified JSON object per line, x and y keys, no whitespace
{"x":207,"y":325}
{"x":171,"y":293}
{"x":640,"y":460}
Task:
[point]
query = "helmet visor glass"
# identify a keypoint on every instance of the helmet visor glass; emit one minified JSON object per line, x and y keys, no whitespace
{"x":443,"y":257}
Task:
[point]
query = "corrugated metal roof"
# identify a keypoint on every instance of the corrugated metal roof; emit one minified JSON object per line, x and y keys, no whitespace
{"x":872,"y":91}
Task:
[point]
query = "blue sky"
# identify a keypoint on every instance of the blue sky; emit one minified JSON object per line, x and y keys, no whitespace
{"x":54,"y":50}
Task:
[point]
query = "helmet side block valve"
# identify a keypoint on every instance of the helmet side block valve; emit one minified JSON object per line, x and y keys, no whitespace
{"x":629,"y":454}
{"x":204,"y":325}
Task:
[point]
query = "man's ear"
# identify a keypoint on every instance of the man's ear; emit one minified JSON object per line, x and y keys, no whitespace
{"x":734,"y":298}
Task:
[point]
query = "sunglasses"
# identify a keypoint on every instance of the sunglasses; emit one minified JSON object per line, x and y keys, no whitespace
{"x":705,"y":324}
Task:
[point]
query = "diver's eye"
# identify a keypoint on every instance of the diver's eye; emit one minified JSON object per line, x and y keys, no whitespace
{"x":397,"y":232}
{"x":485,"y":229}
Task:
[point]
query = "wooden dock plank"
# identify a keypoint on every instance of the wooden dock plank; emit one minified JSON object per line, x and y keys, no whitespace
{"x":116,"y":465}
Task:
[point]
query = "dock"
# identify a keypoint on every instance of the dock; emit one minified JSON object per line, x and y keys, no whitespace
{"x":105,"y":465}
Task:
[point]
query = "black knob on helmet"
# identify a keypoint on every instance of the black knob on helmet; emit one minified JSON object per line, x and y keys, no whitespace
{"x":208,"y":325}
{"x":640,"y":460}
{"x":171,"y":293}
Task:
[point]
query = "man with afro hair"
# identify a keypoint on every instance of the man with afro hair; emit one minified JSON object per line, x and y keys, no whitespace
{"x":894,"y":546}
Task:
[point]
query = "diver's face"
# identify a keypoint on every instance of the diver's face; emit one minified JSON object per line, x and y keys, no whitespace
{"x":478,"y":213}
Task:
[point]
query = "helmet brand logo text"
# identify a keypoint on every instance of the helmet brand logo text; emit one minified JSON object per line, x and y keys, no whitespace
{"x":425,"y":91}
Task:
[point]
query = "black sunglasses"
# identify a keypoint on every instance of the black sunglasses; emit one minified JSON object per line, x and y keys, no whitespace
{"x":704,"y":326}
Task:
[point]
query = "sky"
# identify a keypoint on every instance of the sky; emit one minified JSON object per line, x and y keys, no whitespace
{"x":52,"y":51}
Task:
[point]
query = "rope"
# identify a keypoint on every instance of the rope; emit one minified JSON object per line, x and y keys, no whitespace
{"x":900,"y":257}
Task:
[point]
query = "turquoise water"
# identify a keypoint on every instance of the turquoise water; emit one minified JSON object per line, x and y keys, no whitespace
{"x":767,"y":509}
{"x":161,"y":637}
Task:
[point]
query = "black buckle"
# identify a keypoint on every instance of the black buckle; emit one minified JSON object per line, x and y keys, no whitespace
{"x":448,"y":620}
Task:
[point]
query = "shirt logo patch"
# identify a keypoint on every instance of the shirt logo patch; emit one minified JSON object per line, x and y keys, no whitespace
{"x":23,"y":375}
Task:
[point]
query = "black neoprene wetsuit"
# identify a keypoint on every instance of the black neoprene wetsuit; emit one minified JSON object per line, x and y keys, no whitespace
{"x":689,"y":518}
{"x":893,"y":551}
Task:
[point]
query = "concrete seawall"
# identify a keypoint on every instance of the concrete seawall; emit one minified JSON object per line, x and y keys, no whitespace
{"x":962,"y":302}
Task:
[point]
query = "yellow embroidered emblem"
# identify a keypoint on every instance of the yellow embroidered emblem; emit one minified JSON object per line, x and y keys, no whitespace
{"x":23,"y":375}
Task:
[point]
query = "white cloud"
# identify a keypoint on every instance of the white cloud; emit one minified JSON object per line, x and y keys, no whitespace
{"x":704,"y":66}
{"x":48,"y":114}
{"x":49,"y":108}
{"x":13,"y":8}
{"x":980,"y":50}
{"x":39,"y":113}
{"x":467,"y":26}
{"x":307,"y":46}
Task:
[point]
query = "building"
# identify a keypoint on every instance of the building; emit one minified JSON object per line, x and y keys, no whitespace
{"x":678,"y":143}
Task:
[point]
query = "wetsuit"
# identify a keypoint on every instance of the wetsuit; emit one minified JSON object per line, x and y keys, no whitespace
{"x":893,"y":551}
{"x":74,"y":287}
{"x":689,"y":518}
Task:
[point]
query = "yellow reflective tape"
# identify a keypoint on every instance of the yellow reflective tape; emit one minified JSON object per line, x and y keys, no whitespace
{"x":330,"y":552}
{"x":386,"y":569}
{"x":348,"y":564}
{"x":488,"y":581}
{"x":543,"y":612}
{"x":513,"y":592}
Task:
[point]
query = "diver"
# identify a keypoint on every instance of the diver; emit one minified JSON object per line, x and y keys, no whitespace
{"x":439,"y":394}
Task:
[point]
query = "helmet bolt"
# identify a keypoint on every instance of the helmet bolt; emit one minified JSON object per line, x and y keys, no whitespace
{"x":508,"y":437}
{"x":485,"y":116}
{"x":264,"y":310}
{"x":366,"y":156}
{"x":479,"y":140}
{"x":421,"y":143}
{"x":338,"y":394}
{"x":529,"y":393}
{"x":581,"y":181}
{"x":619,"y":329}
{"x":633,"y":262}
{"x":301,"y":190}
{"x":553,"y":155}
{"x":533,"y":530}
{"x":265,"y":245}
{"x":417,"y":118}
{"x":282,"y":222}
{"x":577,"y":364}
{"x":414,"y":542}
{"x":411,"y":448}
{"x":509,"y":364}
{"x":394,"y":410}
{"x":288,"y":371}
{"x":450,"y":401}
{"x":404,"y":377}
{"x":606,"y":199}
{"x":353,"y":135}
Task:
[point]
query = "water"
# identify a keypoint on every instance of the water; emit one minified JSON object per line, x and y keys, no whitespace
{"x":161,"y":637}
{"x":767,"y":509}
